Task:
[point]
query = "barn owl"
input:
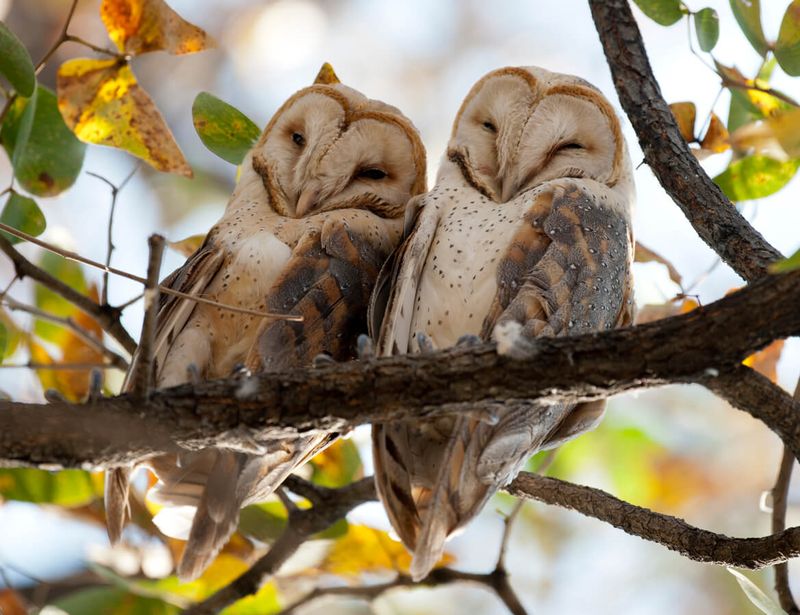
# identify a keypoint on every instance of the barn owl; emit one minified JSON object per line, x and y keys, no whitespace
{"x":527,"y":232}
{"x":316,"y":211}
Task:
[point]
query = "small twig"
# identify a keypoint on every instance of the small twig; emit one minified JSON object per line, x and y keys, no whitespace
{"x":116,"y":360}
{"x":62,"y":37}
{"x":122,"y":306}
{"x":508,"y":523}
{"x":73,"y":256}
{"x":115,"y":190}
{"x":60,"y":366}
{"x":780,"y":493}
{"x":106,"y":316}
{"x":143,"y":376}
{"x":69,"y":38}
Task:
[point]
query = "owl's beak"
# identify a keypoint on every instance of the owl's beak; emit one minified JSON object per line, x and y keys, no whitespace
{"x":306,"y":202}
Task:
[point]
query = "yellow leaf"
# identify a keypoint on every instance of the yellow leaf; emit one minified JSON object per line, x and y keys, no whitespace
{"x":786,"y":129}
{"x":364,"y":549}
{"x":766,"y":361}
{"x":102,"y":103}
{"x":187,"y":246}
{"x":716,"y":137}
{"x":326,"y":75}
{"x":685,"y":113}
{"x":139,"y":26}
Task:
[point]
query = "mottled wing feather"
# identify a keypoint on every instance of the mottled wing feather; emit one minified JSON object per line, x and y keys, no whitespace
{"x":580,"y":282}
{"x":192,"y":278}
{"x":394,"y":328}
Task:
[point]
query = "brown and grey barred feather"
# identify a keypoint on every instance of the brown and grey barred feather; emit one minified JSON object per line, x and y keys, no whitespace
{"x":566,"y":271}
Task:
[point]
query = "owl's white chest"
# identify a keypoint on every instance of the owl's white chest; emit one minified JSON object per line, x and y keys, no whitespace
{"x":459,"y":279}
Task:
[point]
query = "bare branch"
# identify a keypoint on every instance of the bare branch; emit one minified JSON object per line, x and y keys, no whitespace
{"x":143,"y":374}
{"x":89,"y":339}
{"x":780,"y":493}
{"x":713,"y":216}
{"x":303,"y":523}
{"x":675,"y":534}
{"x":74,"y":256}
{"x":105,"y":315}
{"x":704,"y":346}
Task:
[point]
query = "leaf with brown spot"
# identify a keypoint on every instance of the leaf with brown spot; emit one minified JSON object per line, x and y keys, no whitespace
{"x":685,"y":114}
{"x":102,"y":103}
{"x":765,"y":361}
{"x":643,"y":254}
{"x":141,"y":26}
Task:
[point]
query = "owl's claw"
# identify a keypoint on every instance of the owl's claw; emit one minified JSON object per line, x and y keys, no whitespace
{"x":54,"y":397}
{"x":365,"y":347}
{"x":425,"y":343}
{"x":193,"y":373}
{"x":95,"y":385}
{"x":240,"y":371}
{"x":468,"y":340}
{"x":322,"y":359}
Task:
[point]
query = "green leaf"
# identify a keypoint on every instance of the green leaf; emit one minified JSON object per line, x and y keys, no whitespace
{"x":15,"y":62}
{"x":787,"y":47}
{"x":23,"y":214}
{"x":263,"y":602}
{"x":755,"y":177}
{"x":760,"y":600}
{"x":45,"y":154}
{"x":337,"y":465}
{"x":706,"y":23}
{"x":68,"y":488}
{"x":107,"y":600}
{"x":748,"y":14}
{"x":223,"y":129}
{"x":664,"y":12}
{"x":787,"y":264}
{"x":71,"y":274}
{"x":264,"y":522}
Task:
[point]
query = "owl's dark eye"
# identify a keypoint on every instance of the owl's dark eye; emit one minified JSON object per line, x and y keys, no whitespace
{"x":298,"y":139}
{"x":373,"y":173}
{"x":489,"y":126}
{"x":570,"y":145}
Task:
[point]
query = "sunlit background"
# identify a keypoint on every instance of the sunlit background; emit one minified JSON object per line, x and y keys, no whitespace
{"x":678,"y":450}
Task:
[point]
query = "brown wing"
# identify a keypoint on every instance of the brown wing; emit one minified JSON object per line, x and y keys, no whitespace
{"x":173,"y":313}
{"x":580,"y":247}
{"x":328,"y":281}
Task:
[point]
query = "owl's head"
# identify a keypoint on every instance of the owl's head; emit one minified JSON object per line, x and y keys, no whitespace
{"x":330,"y":147}
{"x":519,"y":127}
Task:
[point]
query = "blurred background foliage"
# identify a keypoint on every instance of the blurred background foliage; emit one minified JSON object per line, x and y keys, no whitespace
{"x":677,"y":450}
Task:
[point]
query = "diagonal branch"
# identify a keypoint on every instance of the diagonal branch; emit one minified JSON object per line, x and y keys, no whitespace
{"x":704,"y":346}
{"x":711,"y":214}
{"x":673,"y":533}
{"x":106,"y":316}
{"x":143,"y":371}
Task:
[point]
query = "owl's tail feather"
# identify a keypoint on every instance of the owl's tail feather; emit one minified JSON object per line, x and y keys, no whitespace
{"x":116,"y":501}
{"x":217,"y":515}
{"x":427,"y":480}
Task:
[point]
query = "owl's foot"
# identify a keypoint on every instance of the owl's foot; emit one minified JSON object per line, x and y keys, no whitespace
{"x":365,"y":347}
{"x":322,"y":359}
{"x":425,"y":343}
{"x":468,"y":340}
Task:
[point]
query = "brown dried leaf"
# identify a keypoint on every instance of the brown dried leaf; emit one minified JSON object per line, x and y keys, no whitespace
{"x":685,"y":113}
{"x":643,"y":254}
{"x":653,"y":312}
{"x":102,"y":103}
{"x":716,"y":139}
{"x":187,"y":246}
{"x":140,"y":26}
{"x":11,"y":603}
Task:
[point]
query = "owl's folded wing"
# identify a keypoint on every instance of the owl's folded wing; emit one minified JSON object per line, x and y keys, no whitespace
{"x":173,"y":313}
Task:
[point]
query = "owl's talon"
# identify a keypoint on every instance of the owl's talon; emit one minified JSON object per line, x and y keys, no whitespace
{"x":468,"y":340}
{"x":365,"y":347}
{"x":193,"y":372}
{"x":240,"y":371}
{"x":54,"y":397}
{"x":425,"y":343}
{"x":95,"y":385}
{"x":322,"y":359}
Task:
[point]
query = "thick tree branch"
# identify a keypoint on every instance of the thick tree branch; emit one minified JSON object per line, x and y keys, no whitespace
{"x":105,"y":315}
{"x":713,"y":216}
{"x":703,"y":346}
{"x":671,"y":532}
